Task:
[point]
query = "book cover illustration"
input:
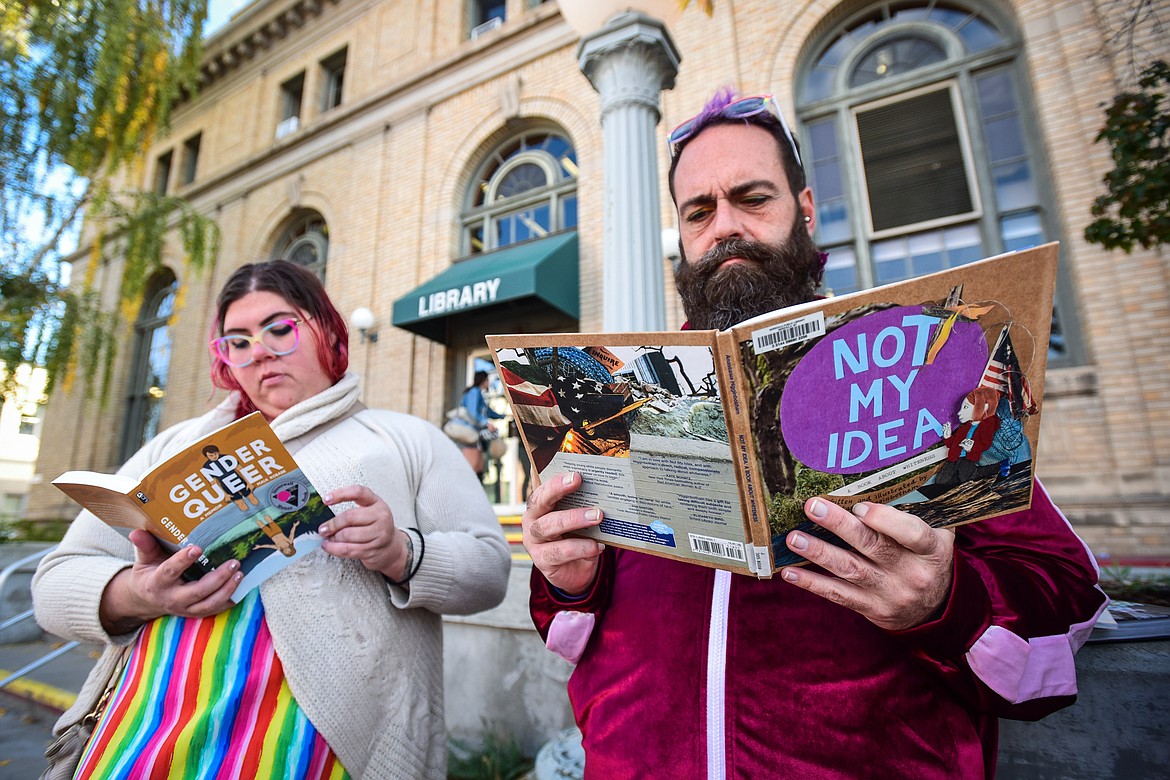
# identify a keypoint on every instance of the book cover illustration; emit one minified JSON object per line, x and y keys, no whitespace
{"x":926,"y":407}
{"x":237,"y":493}
{"x":644,"y":426}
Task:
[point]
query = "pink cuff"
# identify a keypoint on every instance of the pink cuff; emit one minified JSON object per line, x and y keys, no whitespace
{"x":569,"y":633}
{"x":1020,"y":670}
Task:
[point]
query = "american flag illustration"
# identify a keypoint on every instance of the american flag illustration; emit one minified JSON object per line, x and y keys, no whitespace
{"x":1003,"y":373}
{"x":533,"y":404}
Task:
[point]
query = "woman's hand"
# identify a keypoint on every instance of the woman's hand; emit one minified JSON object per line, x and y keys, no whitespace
{"x":154,"y":586}
{"x":366,"y":533}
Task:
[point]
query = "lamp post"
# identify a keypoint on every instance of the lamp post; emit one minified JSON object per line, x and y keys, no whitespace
{"x":629,"y":60}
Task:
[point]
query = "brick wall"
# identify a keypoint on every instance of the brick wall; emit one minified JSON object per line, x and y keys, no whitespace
{"x":422,"y":105}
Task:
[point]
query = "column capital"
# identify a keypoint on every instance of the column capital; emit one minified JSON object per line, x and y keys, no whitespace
{"x":629,"y":60}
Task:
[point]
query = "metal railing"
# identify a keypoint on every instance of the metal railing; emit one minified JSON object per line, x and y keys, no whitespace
{"x":28,"y":615}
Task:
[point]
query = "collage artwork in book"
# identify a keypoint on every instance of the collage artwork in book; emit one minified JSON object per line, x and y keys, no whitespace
{"x":921,"y":407}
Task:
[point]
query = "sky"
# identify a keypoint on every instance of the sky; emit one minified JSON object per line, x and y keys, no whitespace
{"x":220,"y":11}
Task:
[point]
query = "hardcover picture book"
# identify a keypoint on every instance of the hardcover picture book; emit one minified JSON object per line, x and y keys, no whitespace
{"x":703,"y":445}
{"x":236,"y":493}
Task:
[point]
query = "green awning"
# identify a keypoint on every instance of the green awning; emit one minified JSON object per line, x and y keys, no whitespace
{"x":544,"y":270}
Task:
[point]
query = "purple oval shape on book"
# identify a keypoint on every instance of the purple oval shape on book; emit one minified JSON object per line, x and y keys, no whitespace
{"x":863,"y":398}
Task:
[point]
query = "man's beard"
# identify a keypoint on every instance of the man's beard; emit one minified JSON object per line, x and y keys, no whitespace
{"x":773,"y":276}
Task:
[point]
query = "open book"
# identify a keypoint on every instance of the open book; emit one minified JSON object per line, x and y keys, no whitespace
{"x":703,"y":446}
{"x":236,"y":492}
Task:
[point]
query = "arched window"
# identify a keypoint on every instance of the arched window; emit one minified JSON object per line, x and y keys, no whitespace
{"x":526,"y":188}
{"x":151,"y":364}
{"x":305,"y":241}
{"x":918,"y":146}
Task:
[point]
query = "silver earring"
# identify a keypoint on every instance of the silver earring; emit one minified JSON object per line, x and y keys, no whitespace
{"x":807,"y":218}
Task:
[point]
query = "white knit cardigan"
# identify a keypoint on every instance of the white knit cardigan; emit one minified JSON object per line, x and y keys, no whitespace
{"x":364,"y":659}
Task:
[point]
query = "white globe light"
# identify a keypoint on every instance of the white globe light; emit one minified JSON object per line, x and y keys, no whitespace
{"x":362,"y":318}
{"x":670,"y":242}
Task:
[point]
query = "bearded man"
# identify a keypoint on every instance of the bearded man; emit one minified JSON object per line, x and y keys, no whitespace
{"x":893,"y":659}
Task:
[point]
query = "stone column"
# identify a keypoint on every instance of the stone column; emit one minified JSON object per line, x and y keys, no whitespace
{"x":629,"y":62}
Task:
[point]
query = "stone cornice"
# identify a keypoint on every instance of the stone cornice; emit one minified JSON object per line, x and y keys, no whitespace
{"x":258,"y":28}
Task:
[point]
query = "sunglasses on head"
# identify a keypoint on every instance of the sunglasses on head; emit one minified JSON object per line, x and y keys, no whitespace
{"x":737,"y":109}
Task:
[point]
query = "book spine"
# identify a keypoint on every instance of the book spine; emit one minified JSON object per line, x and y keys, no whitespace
{"x":751,"y":495}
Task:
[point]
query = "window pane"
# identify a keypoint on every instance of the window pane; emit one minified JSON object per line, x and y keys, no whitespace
{"x":522,"y":178}
{"x":162,"y":173}
{"x":963,"y":245}
{"x":895,"y":56}
{"x":923,"y":253}
{"x":522,"y":225}
{"x":166,"y":305}
{"x":304,"y":253}
{"x":828,"y":188}
{"x":291,"y":93}
{"x":819,"y":84}
{"x":333,"y":79}
{"x":1057,"y":343}
{"x":475,"y":239}
{"x":160,"y":361}
{"x":152,"y":362}
{"x":841,"y":270}
{"x":826,"y":179}
{"x":479,"y":193}
{"x":1004,"y":140}
{"x":889,"y":260}
{"x":568,"y":212}
{"x":1021,"y":231}
{"x":821,"y":149}
{"x":996,"y":96}
{"x":488,"y":9}
{"x":191,"y":157}
{"x":833,"y":221}
{"x":926,"y":253}
{"x":822,"y":140}
{"x":1014,"y":185}
{"x":978,"y":35}
{"x":914,"y":165}
{"x":557,"y":146}
{"x":950,"y":17}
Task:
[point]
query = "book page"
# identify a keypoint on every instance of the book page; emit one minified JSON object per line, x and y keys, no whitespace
{"x":109,"y":496}
{"x":641,"y":419}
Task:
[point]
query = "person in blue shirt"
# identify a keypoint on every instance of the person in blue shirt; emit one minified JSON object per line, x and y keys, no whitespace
{"x":477,"y":406}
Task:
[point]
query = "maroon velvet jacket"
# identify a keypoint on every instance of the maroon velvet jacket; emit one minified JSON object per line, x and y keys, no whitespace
{"x":811,"y":689}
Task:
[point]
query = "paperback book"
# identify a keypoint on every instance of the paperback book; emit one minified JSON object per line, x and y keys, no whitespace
{"x":237,"y":493}
{"x":703,"y":445}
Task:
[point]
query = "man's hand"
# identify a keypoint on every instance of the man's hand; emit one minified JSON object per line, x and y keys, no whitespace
{"x":569,"y":563}
{"x":897,"y":576}
{"x":365,"y":532}
{"x":154,"y":586}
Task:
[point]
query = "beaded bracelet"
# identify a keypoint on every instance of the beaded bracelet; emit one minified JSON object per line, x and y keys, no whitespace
{"x":422,"y":550}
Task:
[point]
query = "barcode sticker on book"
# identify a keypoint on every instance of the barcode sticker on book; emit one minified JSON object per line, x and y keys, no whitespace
{"x":721,"y":548}
{"x":786,"y":333}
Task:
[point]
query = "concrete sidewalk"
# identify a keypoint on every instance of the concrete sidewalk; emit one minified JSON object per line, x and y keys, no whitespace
{"x":31,"y":705}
